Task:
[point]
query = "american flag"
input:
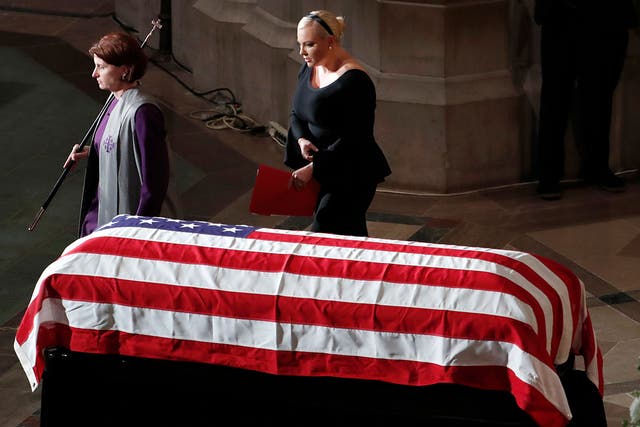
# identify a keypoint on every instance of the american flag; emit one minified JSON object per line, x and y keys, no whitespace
{"x":312,"y":304}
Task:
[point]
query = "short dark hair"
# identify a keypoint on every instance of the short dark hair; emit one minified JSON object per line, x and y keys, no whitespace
{"x":122,"y":49}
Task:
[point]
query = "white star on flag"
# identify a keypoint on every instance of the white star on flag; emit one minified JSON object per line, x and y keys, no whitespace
{"x":192,"y":226}
{"x":229,"y":229}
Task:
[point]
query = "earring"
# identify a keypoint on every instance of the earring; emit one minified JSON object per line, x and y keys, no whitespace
{"x":124,"y":76}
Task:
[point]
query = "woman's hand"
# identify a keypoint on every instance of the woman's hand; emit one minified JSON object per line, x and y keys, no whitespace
{"x":76,"y":155}
{"x":300,"y":177}
{"x":307,"y":149}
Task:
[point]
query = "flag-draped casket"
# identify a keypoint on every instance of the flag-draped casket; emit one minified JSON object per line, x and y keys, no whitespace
{"x":309,"y":304}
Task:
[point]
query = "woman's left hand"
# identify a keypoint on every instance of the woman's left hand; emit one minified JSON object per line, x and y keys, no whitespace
{"x":300,"y":177}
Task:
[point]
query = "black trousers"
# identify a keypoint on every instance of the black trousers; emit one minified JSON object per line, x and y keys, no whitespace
{"x":343,"y":210}
{"x":581,"y":67}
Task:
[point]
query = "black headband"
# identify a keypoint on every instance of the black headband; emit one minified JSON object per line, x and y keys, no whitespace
{"x":321,"y":22}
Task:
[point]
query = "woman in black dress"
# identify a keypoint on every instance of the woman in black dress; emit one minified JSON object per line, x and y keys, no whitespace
{"x":331,"y":129}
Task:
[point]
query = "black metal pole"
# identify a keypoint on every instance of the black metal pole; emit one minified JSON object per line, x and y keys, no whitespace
{"x":68,"y":168}
{"x":165,"y":31}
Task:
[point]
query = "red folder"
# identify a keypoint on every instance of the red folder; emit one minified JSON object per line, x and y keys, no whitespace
{"x":272,"y":195}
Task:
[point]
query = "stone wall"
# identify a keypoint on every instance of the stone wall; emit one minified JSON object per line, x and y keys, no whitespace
{"x":457,"y":80}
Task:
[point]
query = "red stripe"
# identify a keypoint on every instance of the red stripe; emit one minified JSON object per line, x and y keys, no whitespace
{"x":590,"y":347}
{"x":28,"y":318}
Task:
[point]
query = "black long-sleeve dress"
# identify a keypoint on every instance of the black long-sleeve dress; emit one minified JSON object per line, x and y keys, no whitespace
{"x":339,"y":120}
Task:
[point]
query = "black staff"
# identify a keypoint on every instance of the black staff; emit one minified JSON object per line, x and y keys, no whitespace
{"x":85,"y":140}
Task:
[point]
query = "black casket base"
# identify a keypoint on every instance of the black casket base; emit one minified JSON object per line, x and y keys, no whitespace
{"x":80,"y":389}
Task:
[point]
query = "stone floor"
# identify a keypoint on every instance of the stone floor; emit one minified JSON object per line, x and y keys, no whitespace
{"x":48,"y":101}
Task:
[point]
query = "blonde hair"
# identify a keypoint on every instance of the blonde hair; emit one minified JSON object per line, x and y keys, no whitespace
{"x":335,"y":23}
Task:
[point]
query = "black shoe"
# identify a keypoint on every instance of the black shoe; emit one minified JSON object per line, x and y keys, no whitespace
{"x":609,"y":181}
{"x":549,"y":190}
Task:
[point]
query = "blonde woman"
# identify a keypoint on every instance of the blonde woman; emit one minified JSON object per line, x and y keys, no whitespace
{"x":331,"y":128}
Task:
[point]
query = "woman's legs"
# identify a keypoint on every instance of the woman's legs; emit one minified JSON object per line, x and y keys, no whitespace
{"x":343,"y":211}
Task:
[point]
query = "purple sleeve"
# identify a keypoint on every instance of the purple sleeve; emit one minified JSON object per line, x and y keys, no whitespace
{"x":154,"y":154}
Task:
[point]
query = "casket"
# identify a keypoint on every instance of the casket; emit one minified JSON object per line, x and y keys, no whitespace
{"x":165,"y":319}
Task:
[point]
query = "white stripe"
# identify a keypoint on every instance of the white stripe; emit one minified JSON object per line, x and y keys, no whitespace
{"x":291,"y":285}
{"x":318,"y":339}
{"x":26,"y":354}
{"x":567,"y":337}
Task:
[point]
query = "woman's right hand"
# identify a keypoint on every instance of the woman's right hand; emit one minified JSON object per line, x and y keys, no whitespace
{"x":301,"y":177}
{"x":307,"y":149}
{"x":76,"y":155}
